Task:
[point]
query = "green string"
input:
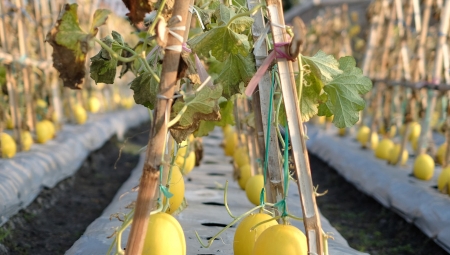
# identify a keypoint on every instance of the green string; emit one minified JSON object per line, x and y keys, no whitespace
{"x":281,"y":205}
{"x":269,"y":124}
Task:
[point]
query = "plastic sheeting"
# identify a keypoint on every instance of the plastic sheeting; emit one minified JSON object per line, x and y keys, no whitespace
{"x":417,"y":201}
{"x":25,"y":175}
{"x":203,"y":185}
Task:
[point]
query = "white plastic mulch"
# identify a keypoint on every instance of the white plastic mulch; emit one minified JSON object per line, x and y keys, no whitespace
{"x":418,"y":202}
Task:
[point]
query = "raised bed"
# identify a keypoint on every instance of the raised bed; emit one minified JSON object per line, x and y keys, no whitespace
{"x":25,"y":175}
{"x":418,"y":202}
{"x":205,"y":212}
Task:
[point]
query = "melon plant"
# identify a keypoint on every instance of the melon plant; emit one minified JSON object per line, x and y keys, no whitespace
{"x":186,"y":97}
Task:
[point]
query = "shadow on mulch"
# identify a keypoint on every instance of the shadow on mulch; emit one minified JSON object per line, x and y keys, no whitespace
{"x":59,"y":216}
{"x":363,"y":222}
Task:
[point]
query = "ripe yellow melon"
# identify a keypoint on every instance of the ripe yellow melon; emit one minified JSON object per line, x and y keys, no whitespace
{"x":190,"y":163}
{"x":363,"y":135}
{"x":80,"y":114}
{"x":392,"y":131}
{"x":164,"y":236}
{"x":241,"y":157}
{"x":9,"y":123}
{"x":423,"y":167}
{"x":394,"y":154}
{"x":440,"y":154}
{"x":43,"y":132}
{"x":177,"y":188}
{"x":444,"y":179}
{"x":253,"y":188}
{"x":9,"y":147}
{"x":384,"y":148}
{"x":281,"y":240}
{"x":245,"y":238}
{"x":94,"y":104}
{"x":374,"y":140}
{"x":231,"y":142}
{"x":342,"y":131}
{"x":245,"y":174}
{"x":27,"y":140}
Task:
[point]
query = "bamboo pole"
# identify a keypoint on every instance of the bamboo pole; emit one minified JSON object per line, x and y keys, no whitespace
{"x":442,"y":39}
{"x":28,"y":86}
{"x":159,"y":129}
{"x":311,"y":217}
{"x":11,"y":84}
{"x":274,"y":185}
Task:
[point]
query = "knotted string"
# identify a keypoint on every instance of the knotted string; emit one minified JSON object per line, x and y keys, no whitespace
{"x":276,"y":53}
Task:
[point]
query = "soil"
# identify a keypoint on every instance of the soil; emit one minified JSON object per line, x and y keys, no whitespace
{"x":59,"y":216}
{"x":363,"y":222}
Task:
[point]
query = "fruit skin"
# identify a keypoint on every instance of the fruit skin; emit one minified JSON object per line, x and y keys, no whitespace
{"x":423,"y":167}
{"x":384,"y":148}
{"x":444,"y":179}
{"x":94,"y":104}
{"x":253,"y":188}
{"x":164,"y":236}
{"x":281,"y":240}
{"x":190,"y":163}
{"x":245,"y":174}
{"x":177,"y":188}
{"x":240,"y":156}
{"x":27,"y":140}
{"x":50,"y":127}
{"x":394,"y":153}
{"x":363,"y":137}
{"x":9,"y":147}
{"x":342,"y":131}
{"x":80,"y":114}
{"x":392,"y":131}
{"x":415,"y":129}
{"x":244,"y":239}
{"x":43,"y":132}
{"x":440,"y":154}
{"x":231,"y":141}
{"x":186,"y":164}
{"x":9,"y":124}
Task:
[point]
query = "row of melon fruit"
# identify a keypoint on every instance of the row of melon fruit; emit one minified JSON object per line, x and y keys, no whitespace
{"x":46,"y":129}
{"x":269,"y":238}
{"x":386,"y":149}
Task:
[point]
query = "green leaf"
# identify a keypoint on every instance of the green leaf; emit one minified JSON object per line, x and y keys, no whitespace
{"x":226,"y":113}
{"x":221,"y":42}
{"x":323,"y":66}
{"x":241,"y":24}
{"x":204,"y":128}
{"x":312,"y":96}
{"x":103,"y":67}
{"x":223,"y":14}
{"x":145,"y":89}
{"x":202,"y":106}
{"x":100,"y":17}
{"x":236,"y":69}
{"x":344,"y":94}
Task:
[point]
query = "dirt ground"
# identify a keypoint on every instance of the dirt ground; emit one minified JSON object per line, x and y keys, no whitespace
{"x":363,"y":222}
{"x":59,"y":216}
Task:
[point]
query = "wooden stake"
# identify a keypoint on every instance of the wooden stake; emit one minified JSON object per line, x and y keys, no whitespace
{"x":442,"y":40}
{"x":159,"y":129}
{"x":274,"y":185}
{"x":311,"y":216}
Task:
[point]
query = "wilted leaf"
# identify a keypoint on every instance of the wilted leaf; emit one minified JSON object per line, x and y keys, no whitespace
{"x":71,"y":44}
{"x":202,"y":106}
{"x":138,"y":9}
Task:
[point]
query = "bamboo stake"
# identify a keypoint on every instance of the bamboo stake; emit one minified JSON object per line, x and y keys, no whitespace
{"x":274,"y":185}
{"x":159,"y":129}
{"x":442,"y":39}
{"x":28,"y":87}
{"x":11,"y":85}
{"x":311,"y":216}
